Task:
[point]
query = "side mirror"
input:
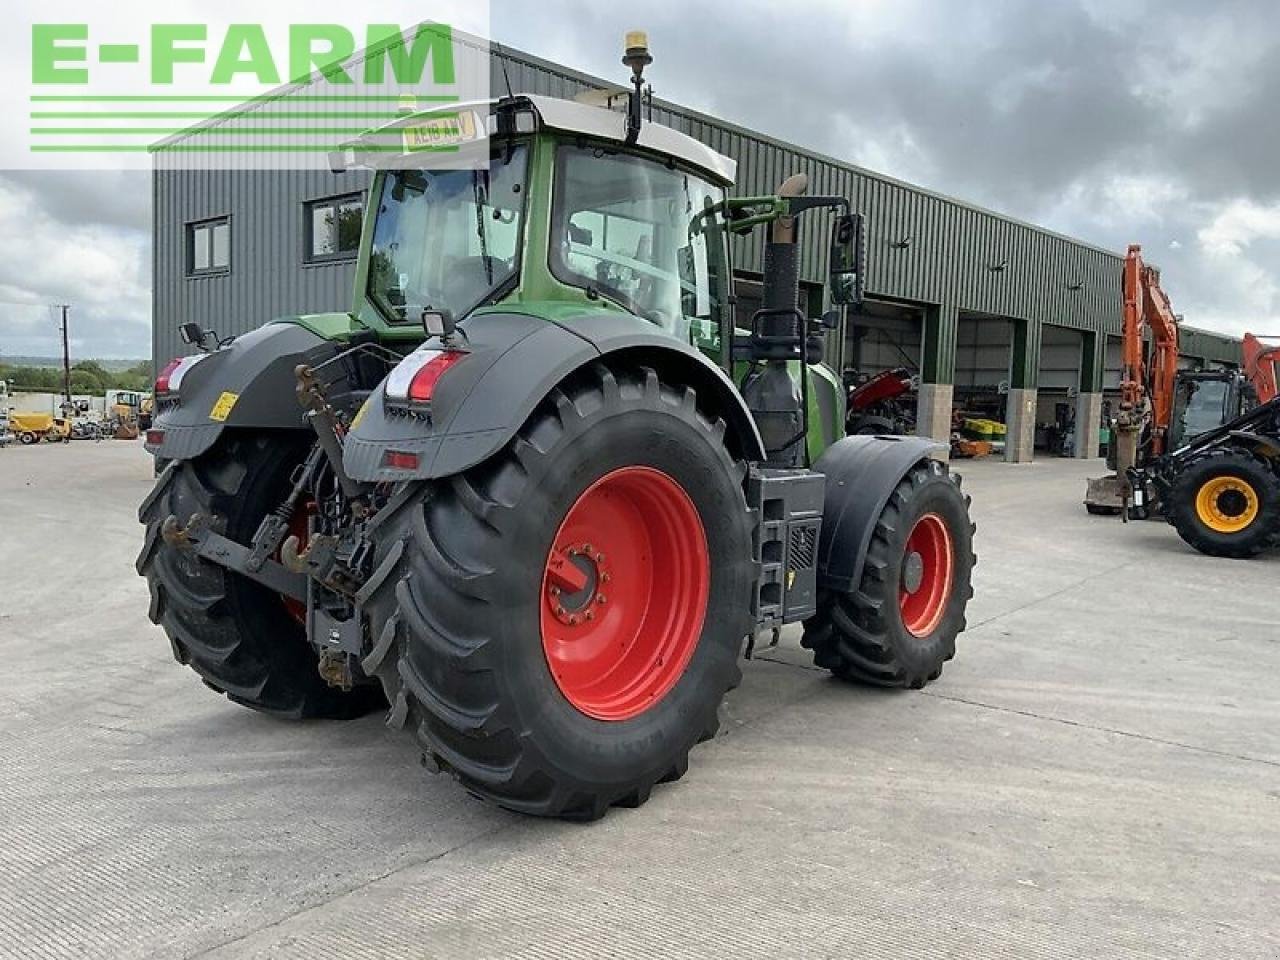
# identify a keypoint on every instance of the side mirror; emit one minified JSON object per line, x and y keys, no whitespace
{"x":191,"y":333}
{"x":847,"y":268}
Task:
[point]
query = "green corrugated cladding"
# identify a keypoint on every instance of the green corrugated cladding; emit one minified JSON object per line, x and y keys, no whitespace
{"x":924,"y":249}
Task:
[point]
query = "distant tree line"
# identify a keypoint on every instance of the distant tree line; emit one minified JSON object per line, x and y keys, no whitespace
{"x":87,"y":376}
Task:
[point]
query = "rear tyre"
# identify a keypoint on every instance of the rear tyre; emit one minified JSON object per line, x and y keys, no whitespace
{"x":899,"y":626}
{"x":559,"y":625}
{"x":27,"y":438}
{"x":1227,"y":505}
{"x":238,"y":636}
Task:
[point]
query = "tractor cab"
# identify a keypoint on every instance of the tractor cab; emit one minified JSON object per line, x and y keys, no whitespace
{"x":527,"y":200}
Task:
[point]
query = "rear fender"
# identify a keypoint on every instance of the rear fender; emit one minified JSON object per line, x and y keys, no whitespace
{"x":862,"y":473}
{"x":515,"y":360}
{"x":248,"y":383}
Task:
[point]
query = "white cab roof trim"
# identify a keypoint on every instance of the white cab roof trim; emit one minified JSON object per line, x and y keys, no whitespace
{"x":604,"y":124}
{"x":612,"y":125}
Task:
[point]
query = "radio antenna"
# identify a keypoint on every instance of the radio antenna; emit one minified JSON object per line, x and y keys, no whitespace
{"x":506,"y":77}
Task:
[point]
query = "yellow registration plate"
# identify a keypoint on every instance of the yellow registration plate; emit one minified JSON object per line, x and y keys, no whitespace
{"x":447,"y":130}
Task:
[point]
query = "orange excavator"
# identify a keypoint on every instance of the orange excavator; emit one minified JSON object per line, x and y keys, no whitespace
{"x":1162,"y":407}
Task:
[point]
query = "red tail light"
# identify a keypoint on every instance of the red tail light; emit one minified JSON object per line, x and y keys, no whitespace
{"x":162,"y":378}
{"x":423,"y":384}
{"x":170,"y":376}
{"x":155,"y":438}
{"x":414,"y":379}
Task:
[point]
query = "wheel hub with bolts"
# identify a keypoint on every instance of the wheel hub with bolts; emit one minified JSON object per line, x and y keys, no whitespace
{"x":576,"y":575}
{"x":624,"y":592}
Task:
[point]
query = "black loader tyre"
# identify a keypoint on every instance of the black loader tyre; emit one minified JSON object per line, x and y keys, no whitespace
{"x":237,"y":635}
{"x":1210,"y":512}
{"x":457,"y":601}
{"x":862,"y":635}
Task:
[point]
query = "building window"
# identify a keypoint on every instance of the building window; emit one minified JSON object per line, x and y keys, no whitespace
{"x":333,"y":228}
{"x":209,"y":247}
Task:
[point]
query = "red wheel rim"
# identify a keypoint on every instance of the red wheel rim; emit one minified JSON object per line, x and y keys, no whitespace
{"x":624,"y":593}
{"x":928,"y":571}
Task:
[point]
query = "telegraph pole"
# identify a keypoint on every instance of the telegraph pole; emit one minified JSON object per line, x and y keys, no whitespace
{"x":66,"y":356}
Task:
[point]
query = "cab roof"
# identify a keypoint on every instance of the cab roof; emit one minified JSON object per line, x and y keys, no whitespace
{"x":573,"y":117}
{"x":589,"y":121}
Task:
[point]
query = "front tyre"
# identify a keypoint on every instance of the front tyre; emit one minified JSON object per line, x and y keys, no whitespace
{"x":899,"y":626}
{"x":1226,"y":505}
{"x":559,"y":625}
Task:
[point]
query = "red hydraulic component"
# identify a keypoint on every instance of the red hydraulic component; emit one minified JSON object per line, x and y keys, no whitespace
{"x":883,"y":386}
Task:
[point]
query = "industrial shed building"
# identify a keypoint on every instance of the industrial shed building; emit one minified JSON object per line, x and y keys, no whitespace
{"x":1001,"y":316}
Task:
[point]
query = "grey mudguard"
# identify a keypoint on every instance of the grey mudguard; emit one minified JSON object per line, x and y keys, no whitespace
{"x":515,"y":360}
{"x":258,"y":369}
{"x":861,"y":473}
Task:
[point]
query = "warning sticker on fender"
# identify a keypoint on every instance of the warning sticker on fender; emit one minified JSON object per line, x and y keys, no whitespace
{"x":364,"y":408}
{"x":222,"y":408}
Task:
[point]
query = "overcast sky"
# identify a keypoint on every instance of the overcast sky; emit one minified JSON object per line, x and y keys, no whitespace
{"x":1150,"y":122}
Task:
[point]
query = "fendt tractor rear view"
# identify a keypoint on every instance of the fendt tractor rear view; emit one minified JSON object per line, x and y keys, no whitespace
{"x":535,"y":492}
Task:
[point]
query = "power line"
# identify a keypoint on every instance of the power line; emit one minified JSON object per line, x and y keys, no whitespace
{"x":66,"y":352}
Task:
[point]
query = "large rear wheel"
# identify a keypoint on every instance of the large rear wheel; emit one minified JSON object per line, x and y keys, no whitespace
{"x":238,"y":636}
{"x":899,"y":626}
{"x":559,"y":625}
{"x":1227,"y":505}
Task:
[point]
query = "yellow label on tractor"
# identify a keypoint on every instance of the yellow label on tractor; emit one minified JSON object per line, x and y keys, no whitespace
{"x":222,"y":408}
{"x":364,"y":408}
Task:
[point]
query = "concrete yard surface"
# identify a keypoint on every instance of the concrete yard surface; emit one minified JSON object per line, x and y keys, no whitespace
{"x":1096,"y":774}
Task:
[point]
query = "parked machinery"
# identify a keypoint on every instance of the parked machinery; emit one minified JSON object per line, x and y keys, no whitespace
{"x":536,"y":489}
{"x":882,"y":405}
{"x":31,"y":428}
{"x":1221,"y":490}
{"x":124,"y":414}
{"x":1161,"y":407}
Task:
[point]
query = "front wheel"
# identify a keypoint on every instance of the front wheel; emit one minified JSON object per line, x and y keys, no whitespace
{"x":899,"y":625}
{"x":1226,"y":505}
{"x":559,"y":625}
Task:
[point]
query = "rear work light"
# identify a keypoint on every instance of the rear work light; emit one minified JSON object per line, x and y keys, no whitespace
{"x":170,"y":377}
{"x":414,"y":379}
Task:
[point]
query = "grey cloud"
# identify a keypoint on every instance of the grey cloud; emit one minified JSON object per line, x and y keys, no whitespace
{"x":116,"y":199}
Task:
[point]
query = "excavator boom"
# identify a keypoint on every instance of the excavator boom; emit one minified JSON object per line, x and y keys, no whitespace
{"x":1260,"y":367}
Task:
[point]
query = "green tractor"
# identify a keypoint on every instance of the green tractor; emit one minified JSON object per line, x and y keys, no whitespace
{"x":535,"y":492}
